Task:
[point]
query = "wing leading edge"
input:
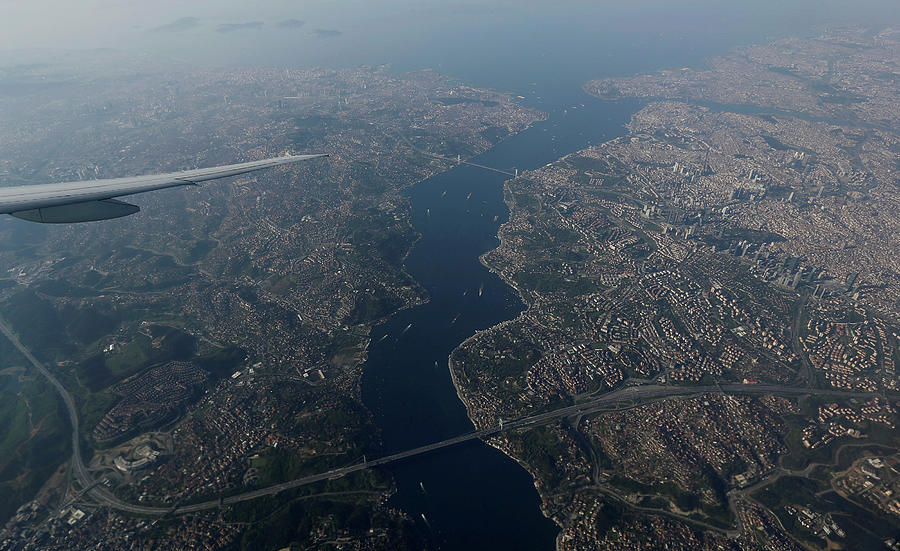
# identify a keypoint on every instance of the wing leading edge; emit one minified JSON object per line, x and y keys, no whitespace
{"x":93,"y":199}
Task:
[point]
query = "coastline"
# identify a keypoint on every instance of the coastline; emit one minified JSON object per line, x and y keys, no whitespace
{"x":424,"y":297}
{"x":453,"y":366}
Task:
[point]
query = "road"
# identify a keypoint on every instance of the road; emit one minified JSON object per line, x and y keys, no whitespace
{"x":101,"y":495}
{"x":458,"y":159}
{"x":807,"y":375}
{"x":643,"y":392}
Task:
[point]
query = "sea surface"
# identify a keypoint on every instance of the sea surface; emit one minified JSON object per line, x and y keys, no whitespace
{"x":472,"y":496}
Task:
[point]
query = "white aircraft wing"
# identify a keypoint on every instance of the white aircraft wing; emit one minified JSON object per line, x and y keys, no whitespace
{"x":91,"y":200}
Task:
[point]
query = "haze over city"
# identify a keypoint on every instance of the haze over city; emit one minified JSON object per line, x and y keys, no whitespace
{"x":590,"y":276}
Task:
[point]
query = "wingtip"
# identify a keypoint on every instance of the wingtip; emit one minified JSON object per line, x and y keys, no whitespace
{"x":305,"y":157}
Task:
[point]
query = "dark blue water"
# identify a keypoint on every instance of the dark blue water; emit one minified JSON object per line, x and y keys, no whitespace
{"x":474,"y":497}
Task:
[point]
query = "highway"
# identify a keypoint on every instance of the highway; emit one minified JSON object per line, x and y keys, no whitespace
{"x":458,"y":159}
{"x":101,"y":495}
{"x":807,"y":375}
{"x":643,"y":392}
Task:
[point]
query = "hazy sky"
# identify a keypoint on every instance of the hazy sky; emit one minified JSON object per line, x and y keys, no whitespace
{"x":492,"y":43}
{"x":104,"y":23}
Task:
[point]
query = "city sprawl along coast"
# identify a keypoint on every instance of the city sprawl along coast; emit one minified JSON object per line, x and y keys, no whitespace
{"x":706,"y":359}
{"x":745,"y":230}
{"x":212,"y":345}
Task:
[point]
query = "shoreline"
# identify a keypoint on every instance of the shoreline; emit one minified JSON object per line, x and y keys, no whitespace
{"x":424,"y":297}
{"x":453,"y":366}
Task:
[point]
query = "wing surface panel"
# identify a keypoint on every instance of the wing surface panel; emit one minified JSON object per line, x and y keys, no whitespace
{"x":42,"y":196}
{"x":88,"y":211}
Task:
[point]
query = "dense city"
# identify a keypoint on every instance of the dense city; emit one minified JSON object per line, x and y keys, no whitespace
{"x":710,"y":300}
{"x":215,"y":344}
{"x":700,"y":249}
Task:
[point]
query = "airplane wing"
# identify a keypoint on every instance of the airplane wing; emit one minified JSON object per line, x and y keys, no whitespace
{"x":91,"y":200}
